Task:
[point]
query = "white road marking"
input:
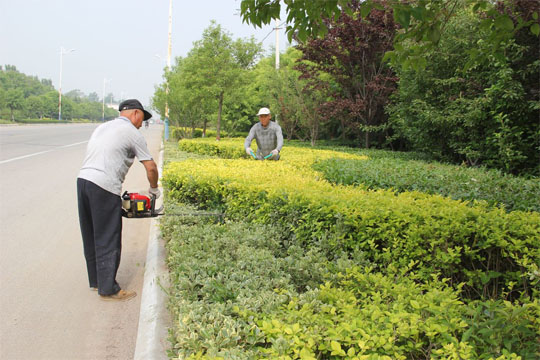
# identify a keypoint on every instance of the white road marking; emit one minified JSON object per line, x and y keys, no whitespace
{"x":41,"y":152}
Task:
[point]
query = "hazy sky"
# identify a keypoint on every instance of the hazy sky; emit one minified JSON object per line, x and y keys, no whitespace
{"x":114,"y":39}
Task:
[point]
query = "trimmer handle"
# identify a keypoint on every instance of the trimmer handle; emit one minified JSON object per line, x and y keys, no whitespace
{"x":153,"y":211}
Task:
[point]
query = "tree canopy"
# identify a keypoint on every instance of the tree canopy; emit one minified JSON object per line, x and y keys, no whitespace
{"x":212,"y":73}
{"x":422,"y":22}
{"x":27,"y":97}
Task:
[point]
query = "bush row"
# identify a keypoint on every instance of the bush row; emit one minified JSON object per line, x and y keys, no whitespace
{"x":352,"y":147}
{"x":492,"y":252}
{"x":182,"y":132}
{"x":216,"y":270}
{"x":238,"y":293}
{"x":460,"y":183}
{"x":368,"y":315}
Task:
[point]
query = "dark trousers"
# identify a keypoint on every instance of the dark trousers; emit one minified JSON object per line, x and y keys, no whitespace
{"x":100,"y":217}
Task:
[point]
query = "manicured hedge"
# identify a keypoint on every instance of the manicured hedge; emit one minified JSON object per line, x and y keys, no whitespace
{"x":460,"y":183}
{"x":218,"y":269}
{"x":236,"y":293}
{"x":368,"y":315}
{"x":430,"y":278}
{"x":491,"y":251}
{"x":182,"y":132}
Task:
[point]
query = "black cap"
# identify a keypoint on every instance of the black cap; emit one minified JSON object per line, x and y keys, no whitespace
{"x":132,"y":104}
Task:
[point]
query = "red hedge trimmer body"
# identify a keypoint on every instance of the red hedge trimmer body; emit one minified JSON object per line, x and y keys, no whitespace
{"x":135,"y":205}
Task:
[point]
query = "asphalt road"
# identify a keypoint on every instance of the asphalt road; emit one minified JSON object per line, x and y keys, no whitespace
{"x":47,"y":310}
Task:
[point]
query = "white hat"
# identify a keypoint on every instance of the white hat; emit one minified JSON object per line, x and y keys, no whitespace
{"x":264,"y":111}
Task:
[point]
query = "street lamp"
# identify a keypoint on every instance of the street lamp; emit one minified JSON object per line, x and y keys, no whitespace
{"x":277,"y":43}
{"x":62,"y":52}
{"x":166,"y":135}
{"x":103,"y":111}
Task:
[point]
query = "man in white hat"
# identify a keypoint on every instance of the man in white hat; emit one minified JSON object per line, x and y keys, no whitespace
{"x":268,"y":136}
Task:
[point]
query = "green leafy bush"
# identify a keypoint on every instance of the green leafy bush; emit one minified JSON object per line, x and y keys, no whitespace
{"x":212,"y":147}
{"x":181,"y":132}
{"x":367,"y":315}
{"x":482,"y":114}
{"x":398,"y":269}
{"x":459,"y":183}
{"x":219,"y":271}
{"x":486,"y":248}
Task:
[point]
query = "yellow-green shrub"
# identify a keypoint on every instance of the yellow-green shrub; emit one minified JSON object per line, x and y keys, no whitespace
{"x":426,"y":235}
{"x":368,"y":315}
{"x":182,"y":132}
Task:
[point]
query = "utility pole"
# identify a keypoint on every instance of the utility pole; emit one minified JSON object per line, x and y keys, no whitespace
{"x":62,"y":52}
{"x":277,"y":43}
{"x":277,"y":56}
{"x":103,"y":109}
{"x":166,"y":135}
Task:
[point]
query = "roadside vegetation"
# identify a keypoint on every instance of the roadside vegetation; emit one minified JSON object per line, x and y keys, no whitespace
{"x":402,"y":221}
{"x":27,"y":99}
{"x":469,"y":96}
{"x":302,"y":268}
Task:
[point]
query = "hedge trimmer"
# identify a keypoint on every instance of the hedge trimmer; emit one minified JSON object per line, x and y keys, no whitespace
{"x":265,"y":158}
{"x":136,"y":206}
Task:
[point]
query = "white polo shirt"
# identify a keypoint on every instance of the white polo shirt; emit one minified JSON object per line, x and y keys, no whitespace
{"x":110,"y":153}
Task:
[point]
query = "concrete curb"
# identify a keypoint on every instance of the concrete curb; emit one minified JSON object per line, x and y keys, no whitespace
{"x":154,"y":318}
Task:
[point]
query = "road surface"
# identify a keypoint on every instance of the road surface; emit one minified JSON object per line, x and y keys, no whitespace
{"x":47,"y":310}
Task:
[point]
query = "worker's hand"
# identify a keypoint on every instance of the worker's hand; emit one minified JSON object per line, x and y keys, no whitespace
{"x":274,"y":153}
{"x":155,"y":191}
{"x":249,"y":151}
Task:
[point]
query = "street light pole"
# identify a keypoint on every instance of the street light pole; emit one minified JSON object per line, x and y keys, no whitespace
{"x":277,"y":43}
{"x":62,"y":52}
{"x":277,"y":57}
{"x":103,"y":111}
{"x":166,"y":135}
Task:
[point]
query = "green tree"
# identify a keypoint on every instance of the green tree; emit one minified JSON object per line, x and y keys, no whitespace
{"x":422,"y":22}
{"x":93,"y":97}
{"x":109,"y":99}
{"x":50,"y":104}
{"x":75,"y":95}
{"x":14,"y":100}
{"x":34,"y":107}
{"x":214,"y":69}
{"x":486,"y":114}
{"x":282,"y":91}
{"x":28,"y":96}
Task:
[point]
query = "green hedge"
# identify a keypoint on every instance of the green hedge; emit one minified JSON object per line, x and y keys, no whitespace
{"x":237,"y":293}
{"x":181,"y":132}
{"x":492,"y":251}
{"x":224,"y":148}
{"x":456,"y":182}
{"x":406,"y":294}
{"x":216,"y":270}
{"x":368,"y":315}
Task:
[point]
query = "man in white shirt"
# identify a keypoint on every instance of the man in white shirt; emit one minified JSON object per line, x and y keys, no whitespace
{"x":267,"y":135}
{"x":110,"y":153}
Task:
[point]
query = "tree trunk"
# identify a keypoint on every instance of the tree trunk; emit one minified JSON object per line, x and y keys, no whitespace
{"x":218,"y":137}
{"x":367,"y":139}
{"x":204,"y":128}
